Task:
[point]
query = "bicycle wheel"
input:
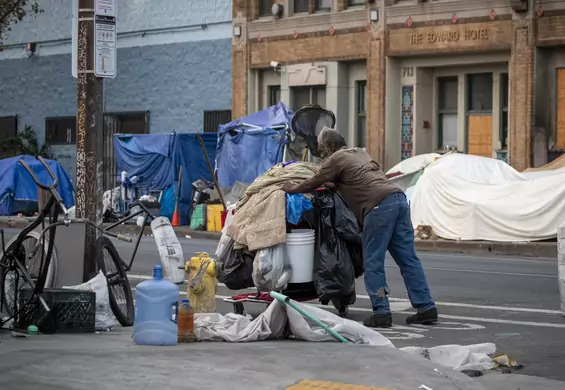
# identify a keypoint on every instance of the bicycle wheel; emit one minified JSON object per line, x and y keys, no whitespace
{"x":10,"y":278}
{"x":119,"y":290}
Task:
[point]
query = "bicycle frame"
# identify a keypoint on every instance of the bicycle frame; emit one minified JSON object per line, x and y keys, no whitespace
{"x":148,"y":214}
{"x":46,"y":258}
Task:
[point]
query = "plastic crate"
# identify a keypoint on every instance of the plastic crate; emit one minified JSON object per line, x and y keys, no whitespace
{"x":75,"y":309}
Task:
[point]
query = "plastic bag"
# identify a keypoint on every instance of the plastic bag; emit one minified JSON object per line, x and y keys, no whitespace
{"x":338,"y":260}
{"x":104,"y":317}
{"x":225,"y":241}
{"x":347,"y":229}
{"x":296,"y":204}
{"x":271,"y":270}
{"x":235,"y":268}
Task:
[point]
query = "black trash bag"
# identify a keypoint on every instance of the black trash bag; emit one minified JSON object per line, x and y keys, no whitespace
{"x":235,"y":268}
{"x":338,"y":258}
{"x":347,"y":229}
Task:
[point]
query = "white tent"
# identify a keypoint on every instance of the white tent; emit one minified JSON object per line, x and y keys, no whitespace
{"x":464,"y":197}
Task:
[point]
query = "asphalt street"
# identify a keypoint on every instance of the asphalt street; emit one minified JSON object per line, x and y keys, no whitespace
{"x":512,"y":302}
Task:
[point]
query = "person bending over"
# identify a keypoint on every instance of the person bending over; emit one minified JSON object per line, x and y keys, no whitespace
{"x":383,"y":214}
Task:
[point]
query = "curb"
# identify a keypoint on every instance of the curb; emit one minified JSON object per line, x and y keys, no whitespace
{"x":526,"y":249}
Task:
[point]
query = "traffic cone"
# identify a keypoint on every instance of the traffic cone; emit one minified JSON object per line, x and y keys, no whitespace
{"x":176,"y":218}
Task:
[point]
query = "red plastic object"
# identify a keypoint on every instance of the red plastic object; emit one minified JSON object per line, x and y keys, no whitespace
{"x":223,"y":216}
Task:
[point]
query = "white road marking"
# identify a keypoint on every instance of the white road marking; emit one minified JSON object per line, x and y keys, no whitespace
{"x":446,"y":304}
{"x":498,"y":321}
{"x":483,"y":272}
{"x":449,"y":317}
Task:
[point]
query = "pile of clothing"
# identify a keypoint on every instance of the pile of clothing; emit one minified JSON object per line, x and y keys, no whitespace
{"x":252,"y":249}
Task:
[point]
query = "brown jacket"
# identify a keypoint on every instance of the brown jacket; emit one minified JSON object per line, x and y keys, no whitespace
{"x":359,"y":180}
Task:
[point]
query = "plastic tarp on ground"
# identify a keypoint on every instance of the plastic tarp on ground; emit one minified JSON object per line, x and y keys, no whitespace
{"x":249,"y":146}
{"x":408,"y":172}
{"x":464,"y":197}
{"x":188,"y":153}
{"x":147,"y":156}
{"x":16,"y":185}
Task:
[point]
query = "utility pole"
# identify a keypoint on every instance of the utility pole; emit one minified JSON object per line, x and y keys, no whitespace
{"x":89,"y":133}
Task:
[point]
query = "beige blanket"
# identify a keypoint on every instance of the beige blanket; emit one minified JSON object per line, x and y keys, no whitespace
{"x":260,"y":218}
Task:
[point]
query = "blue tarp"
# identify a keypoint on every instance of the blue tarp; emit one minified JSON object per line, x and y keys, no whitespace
{"x":156,"y":158}
{"x":147,"y":156}
{"x":188,"y":153}
{"x":249,"y":146}
{"x":16,"y":184}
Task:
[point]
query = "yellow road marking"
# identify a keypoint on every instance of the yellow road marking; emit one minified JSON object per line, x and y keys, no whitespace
{"x":320,"y":385}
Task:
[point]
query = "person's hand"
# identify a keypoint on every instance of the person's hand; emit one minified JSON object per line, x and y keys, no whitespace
{"x":330,"y":185}
{"x":289,"y":187}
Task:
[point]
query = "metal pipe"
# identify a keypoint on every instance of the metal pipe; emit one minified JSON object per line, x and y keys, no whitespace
{"x":286,"y":300}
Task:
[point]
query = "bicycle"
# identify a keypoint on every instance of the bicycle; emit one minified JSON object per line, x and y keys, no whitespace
{"x":15,"y":259}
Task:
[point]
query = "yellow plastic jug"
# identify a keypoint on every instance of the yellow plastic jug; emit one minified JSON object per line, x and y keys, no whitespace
{"x":201,"y":278}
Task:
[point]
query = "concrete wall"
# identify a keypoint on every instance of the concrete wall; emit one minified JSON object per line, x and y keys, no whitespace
{"x":174,"y":60}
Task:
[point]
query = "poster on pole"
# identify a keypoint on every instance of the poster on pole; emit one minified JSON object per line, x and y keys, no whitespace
{"x":105,"y":46}
{"x":106,"y":8}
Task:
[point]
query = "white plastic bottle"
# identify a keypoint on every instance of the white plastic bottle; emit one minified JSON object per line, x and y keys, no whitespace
{"x":170,"y":250}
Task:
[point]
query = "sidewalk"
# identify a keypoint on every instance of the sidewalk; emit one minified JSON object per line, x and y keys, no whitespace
{"x":110,"y":360}
{"x":529,"y":249}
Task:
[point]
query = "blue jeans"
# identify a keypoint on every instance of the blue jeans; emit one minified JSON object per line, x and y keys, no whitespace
{"x":389,"y":227}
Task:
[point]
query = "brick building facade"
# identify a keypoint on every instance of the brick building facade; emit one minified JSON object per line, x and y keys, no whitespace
{"x":406,"y":77}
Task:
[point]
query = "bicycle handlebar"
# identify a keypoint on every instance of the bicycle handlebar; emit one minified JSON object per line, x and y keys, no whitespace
{"x":35,"y":179}
{"x":52,"y":188}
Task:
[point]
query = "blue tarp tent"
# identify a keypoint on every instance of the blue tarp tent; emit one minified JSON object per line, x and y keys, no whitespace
{"x":188,"y":153}
{"x":156,"y":158}
{"x":147,"y":156}
{"x":17,"y":188}
{"x":250,"y":146}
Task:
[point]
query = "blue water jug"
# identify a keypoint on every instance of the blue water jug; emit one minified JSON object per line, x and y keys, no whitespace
{"x":156,"y":311}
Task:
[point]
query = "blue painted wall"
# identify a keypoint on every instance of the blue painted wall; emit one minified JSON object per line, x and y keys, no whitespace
{"x":175,"y":74}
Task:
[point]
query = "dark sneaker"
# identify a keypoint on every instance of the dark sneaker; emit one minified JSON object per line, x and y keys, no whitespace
{"x":378,"y":321}
{"x":426,"y":318}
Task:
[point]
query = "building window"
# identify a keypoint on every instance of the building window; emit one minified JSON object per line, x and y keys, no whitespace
{"x":8,"y":126}
{"x":214,"y":119}
{"x":274,"y":95}
{"x":480,"y":92}
{"x":300,"y":6}
{"x":447,"y":112}
{"x":133,"y":122}
{"x":302,"y":96}
{"x":504,"y":110}
{"x":323,"y":5}
{"x":265,"y":7}
{"x":355,"y":3}
{"x":61,"y":130}
{"x":361,"y":119}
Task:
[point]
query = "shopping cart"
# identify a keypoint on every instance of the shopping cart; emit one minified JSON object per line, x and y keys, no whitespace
{"x":300,"y":292}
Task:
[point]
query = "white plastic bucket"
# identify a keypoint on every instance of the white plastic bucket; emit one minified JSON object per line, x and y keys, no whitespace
{"x":300,"y":254}
{"x":303,"y":232}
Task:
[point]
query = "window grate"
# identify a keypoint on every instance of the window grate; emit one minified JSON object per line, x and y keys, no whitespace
{"x":8,"y":126}
{"x":61,"y":130}
{"x":214,"y":119}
